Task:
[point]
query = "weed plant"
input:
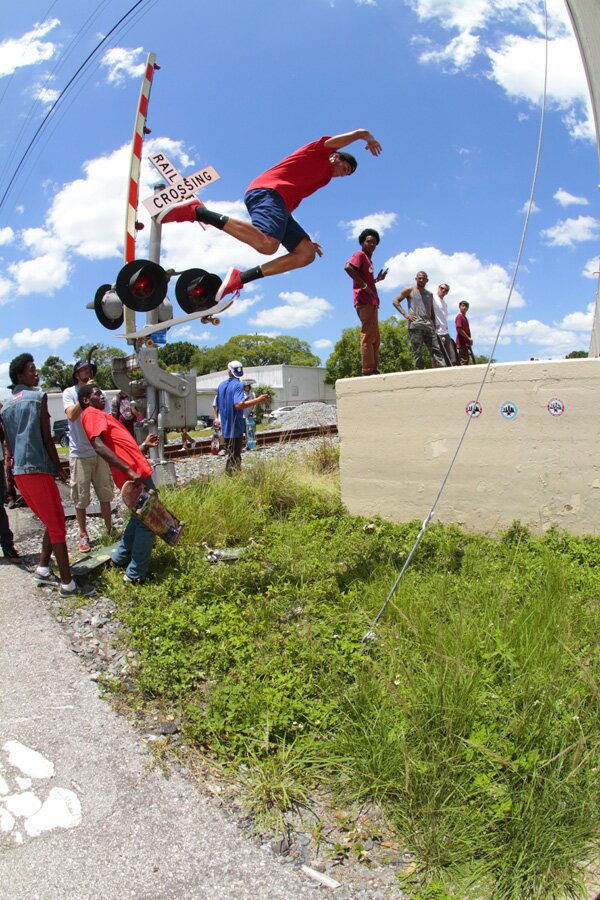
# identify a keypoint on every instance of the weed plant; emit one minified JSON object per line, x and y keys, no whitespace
{"x":472,"y":720}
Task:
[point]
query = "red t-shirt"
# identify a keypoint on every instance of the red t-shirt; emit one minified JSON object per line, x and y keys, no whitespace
{"x":97,"y":423}
{"x":462,"y":322}
{"x":362,"y":261}
{"x":299,"y":175}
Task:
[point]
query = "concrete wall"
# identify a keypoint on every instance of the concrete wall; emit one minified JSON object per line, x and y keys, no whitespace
{"x":399,"y":432}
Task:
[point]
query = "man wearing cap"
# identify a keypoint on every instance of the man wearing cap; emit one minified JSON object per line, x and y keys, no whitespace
{"x":230,"y":402}
{"x":271,"y":199}
{"x":87,"y":467}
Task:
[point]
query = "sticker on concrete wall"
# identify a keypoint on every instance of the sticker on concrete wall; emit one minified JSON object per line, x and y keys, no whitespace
{"x":509,"y":410}
{"x":474,"y":409}
{"x":556,"y":407}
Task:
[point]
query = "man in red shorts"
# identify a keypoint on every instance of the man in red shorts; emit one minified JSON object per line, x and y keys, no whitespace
{"x":112,"y":441}
{"x":271,"y":199}
{"x":29,"y":441}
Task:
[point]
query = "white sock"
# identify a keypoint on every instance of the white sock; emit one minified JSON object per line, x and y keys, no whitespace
{"x":43,"y":570}
{"x":71,"y":586}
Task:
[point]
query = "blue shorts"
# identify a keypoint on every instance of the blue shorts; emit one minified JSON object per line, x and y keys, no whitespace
{"x":269,"y":214}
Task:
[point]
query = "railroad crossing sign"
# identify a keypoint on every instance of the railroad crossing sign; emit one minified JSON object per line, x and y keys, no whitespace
{"x":180,"y":187}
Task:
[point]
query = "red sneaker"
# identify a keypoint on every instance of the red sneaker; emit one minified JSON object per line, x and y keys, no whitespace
{"x":231,"y":284}
{"x":183,"y":212}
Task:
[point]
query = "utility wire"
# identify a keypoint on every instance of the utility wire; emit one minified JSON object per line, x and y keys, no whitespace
{"x":61,"y":96}
{"x":370,"y":635}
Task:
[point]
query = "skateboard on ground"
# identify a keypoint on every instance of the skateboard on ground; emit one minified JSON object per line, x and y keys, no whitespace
{"x":91,"y":561}
{"x":215,"y":441}
{"x":250,"y":432}
{"x":151,"y":512}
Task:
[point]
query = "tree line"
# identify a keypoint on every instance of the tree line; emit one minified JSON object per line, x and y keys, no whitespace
{"x":256,"y":350}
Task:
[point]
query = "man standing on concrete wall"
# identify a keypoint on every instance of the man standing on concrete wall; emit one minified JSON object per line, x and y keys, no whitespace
{"x":366,"y":300}
{"x":87,"y":467}
{"x":440,"y":308}
{"x":420,"y":318}
{"x":464,"y":341}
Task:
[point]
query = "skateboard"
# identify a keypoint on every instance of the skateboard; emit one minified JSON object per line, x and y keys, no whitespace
{"x":215,"y":441}
{"x":91,"y":561}
{"x":250,"y":432}
{"x":151,"y":512}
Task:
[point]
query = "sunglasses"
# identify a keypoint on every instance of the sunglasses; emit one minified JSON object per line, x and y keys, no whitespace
{"x":444,"y":288}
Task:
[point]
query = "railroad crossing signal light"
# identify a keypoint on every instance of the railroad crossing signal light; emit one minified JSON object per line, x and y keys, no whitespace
{"x":108,"y":307}
{"x":142,"y":285}
{"x":195,"y":290}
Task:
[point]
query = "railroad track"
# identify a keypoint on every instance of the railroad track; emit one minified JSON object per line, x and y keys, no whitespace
{"x":263,"y":439}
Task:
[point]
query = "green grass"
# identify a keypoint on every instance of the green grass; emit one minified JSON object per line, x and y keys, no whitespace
{"x":472,"y":720}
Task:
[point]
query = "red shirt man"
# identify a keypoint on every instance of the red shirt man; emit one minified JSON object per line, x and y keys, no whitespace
{"x":464,"y":341}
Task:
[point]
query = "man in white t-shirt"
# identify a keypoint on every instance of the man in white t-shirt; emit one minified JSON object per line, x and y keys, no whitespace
{"x":87,"y":467}
{"x":440,"y":308}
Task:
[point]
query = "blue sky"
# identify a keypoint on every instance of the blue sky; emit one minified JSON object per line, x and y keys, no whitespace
{"x":451,"y":89}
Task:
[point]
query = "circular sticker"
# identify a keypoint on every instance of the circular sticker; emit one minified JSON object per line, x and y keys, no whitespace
{"x":556,"y":407}
{"x":509,"y":410}
{"x":474,"y":409}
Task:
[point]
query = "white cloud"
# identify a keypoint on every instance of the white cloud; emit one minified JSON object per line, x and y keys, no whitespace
{"x":457,"y":53}
{"x":29,"y":49}
{"x":42,"y":275}
{"x":323,"y":344}
{"x":6,"y":290}
{"x":580,"y":321}
{"x":6,"y":236}
{"x":534,"y":208}
{"x":44,"y":337}
{"x":558,"y":341}
{"x":380,"y":221}
{"x":186,"y":333}
{"x":568,"y":232}
{"x":45,"y":94}
{"x":299,"y":311}
{"x":123,"y":63}
{"x":566,"y":199}
{"x":592,"y":268}
{"x":484,"y":285}
{"x":241,"y":306}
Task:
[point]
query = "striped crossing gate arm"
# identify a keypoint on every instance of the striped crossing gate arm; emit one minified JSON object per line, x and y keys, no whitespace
{"x":134,"y":175}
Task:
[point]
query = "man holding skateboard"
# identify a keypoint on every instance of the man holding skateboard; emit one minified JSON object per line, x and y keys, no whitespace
{"x":271,"y":199}
{"x":231,"y":401}
{"x":113,"y":443}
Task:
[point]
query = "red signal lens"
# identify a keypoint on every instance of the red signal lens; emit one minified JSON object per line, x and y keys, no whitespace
{"x":143,"y":287}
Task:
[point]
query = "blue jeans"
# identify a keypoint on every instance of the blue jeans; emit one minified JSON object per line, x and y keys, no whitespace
{"x":134,"y":551}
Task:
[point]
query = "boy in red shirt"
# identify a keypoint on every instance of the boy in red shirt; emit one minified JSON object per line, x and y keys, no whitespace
{"x":464,"y":341}
{"x":113,"y":442}
{"x":271,"y":199}
{"x":366,"y":299}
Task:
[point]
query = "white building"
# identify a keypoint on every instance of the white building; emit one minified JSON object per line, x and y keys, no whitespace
{"x":56,"y":407}
{"x":291,"y":385}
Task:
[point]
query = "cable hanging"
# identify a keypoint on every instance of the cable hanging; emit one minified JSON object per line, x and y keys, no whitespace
{"x":370,"y":635}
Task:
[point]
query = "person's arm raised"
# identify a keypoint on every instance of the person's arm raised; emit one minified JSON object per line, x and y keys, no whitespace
{"x":343,"y":140}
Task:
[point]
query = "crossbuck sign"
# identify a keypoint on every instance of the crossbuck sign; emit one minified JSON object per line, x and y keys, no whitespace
{"x":180,"y":187}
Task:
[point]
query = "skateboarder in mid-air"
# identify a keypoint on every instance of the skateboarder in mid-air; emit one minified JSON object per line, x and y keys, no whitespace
{"x":271,"y":199}
{"x":113,"y":442}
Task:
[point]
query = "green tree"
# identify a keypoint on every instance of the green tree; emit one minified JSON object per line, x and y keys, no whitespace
{"x":102,"y":356}
{"x":55,"y":373}
{"x":395,"y":354}
{"x":254,"y":350}
{"x":177,"y":355}
{"x":577,"y":354}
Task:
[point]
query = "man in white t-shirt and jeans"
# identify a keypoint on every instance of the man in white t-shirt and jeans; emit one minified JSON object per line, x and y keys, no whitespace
{"x":440,"y":309}
{"x":87,"y":467}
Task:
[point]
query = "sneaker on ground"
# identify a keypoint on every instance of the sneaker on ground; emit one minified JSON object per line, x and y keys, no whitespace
{"x":78,"y":591}
{"x":183,"y":212}
{"x":128,"y":580}
{"x":231,"y":284}
{"x":84,"y":543}
{"x":49,"y":579}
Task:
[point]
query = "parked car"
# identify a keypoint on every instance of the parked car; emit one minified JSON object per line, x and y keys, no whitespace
{"x":204,"y":422}
{"x":60,"y":432}
{"x":279,"y":412}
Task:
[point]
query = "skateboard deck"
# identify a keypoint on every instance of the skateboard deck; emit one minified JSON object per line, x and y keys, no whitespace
{"x":250,"y":433}
{"x":151,"y":512}
{"x":85,"y":565}
{"x":205,"y":315}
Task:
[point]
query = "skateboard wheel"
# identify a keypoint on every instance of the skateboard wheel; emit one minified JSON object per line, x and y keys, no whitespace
{"x":216,"y":321}
{"x":149,"y":342}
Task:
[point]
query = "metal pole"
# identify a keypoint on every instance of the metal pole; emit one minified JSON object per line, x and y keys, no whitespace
{"x":152,"y":394}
